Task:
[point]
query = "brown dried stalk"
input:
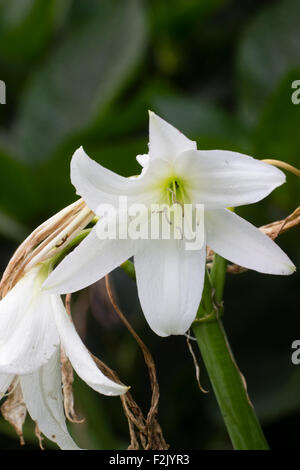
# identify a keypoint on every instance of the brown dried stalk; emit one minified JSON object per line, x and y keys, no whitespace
{"x":196,"y":365}
{"x":39,"y":436}
{"x":281,"y":226}
{"x":132,"y":411}
{"x":67,"y":376}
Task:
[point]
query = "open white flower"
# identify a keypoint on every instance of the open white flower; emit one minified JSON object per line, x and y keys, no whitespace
{"x":170,"y":278}
{"x":33,"y":326}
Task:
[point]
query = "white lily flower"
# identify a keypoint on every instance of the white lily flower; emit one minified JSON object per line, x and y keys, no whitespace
{"x":170,"y":278}
{"x":33,"y":326}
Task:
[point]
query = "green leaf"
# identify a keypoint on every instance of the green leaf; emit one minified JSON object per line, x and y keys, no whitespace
{"x":18,"y":196}
{"x":181,"y":14}
{"x":26,"y":25}
{"x":277,"y":133}
{"x":270,"y":49}
{"x":129,"y":115}
{"x":79,"y":80}
{"x":11,"y":228}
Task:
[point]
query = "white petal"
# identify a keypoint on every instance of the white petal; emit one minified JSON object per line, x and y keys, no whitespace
{"x":94,"y":182}
{"x":143,"y":160}
{"x":170,"y":282}
{"x":42,"y":392}
{"x":5,"y":381}
{"x":240,"y":242}
{"x":219,"y":178}
{"x":165,"y":141}
{"x":98,"y":185}
{"x":28,"y":335}
{"x":89,"y":262}
{"x":79,"y":355}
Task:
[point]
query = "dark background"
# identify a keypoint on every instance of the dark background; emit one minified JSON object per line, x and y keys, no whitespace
{"x":85,"y":72}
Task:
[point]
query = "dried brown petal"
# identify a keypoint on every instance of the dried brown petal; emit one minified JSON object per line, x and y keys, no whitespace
{"x":67,"y":382}
{"x":14,"y":409}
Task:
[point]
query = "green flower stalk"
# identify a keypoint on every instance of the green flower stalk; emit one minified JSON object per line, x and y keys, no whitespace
{"x":227,"y":381}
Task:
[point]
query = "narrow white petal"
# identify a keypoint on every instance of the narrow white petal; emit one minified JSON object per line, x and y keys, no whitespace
{"x":5,"y":381}
{"x":98,"y":185}
{"x":219,"y":178}
{"x":79,"y":355}
{"x":90,"y":261}
{"x":28,"y":335}
{"x":170,"y":282}
{"x":42,"y":392}
{"x":95,"y":183}
{"x":240,"y":242}
{"x":165,"y":141}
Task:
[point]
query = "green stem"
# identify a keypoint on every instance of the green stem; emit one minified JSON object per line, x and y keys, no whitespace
{"x":217,"y":276}
{"x":228,"y":383}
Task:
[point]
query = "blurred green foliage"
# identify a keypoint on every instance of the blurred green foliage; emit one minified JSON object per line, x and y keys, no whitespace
{"x":85,"y":72}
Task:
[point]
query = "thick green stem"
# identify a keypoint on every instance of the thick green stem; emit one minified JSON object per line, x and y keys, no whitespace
{"x":217,"y":277}
{"x":227,"y":381}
